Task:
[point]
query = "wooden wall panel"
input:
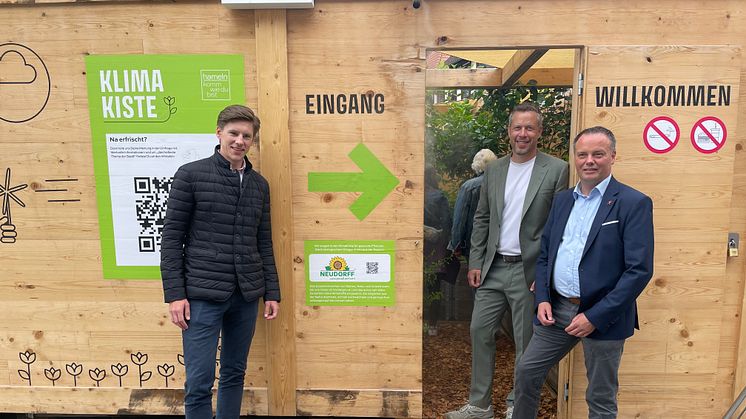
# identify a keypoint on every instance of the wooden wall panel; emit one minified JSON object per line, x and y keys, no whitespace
{"x":696,"y":296}
{"x":350,"y":47}
{"x":272,"y":64}
{"x":358,"y":347}
{"x":59,"y":306}
{"x":694,"y":331}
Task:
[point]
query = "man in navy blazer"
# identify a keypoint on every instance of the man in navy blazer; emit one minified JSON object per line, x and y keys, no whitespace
{"x":596,"y":258}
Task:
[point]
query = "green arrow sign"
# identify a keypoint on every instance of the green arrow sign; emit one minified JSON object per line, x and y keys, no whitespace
{"x":375,"y":182}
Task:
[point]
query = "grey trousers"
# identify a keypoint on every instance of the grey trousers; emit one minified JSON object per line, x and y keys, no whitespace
{"x":547,"y":347}
{"x":503,"y":286}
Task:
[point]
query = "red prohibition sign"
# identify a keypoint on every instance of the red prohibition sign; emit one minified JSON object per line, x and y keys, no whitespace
{"x":661,"y":134}
{"x":709,"y":134}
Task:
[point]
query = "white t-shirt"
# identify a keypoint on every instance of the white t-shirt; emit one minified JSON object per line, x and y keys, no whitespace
{"x":516,"y":186}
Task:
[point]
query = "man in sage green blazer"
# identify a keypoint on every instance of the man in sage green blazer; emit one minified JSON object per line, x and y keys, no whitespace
{"x":514,"y":202}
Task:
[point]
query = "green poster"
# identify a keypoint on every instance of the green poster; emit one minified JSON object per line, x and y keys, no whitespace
{"x":349,"y":273}
{"x":150,"y":114}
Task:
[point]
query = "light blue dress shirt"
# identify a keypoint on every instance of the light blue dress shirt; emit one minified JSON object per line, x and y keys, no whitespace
{"x":566,"y":277}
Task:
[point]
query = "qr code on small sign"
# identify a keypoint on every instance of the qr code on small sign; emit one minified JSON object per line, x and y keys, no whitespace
{"x":371,"y":267}
{"x":151,"y":195}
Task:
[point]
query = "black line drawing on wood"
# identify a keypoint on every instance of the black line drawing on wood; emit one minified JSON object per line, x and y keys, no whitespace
{"x":140,"y":359}
{"x":58,"y":189}
{"x":97,"y":375}
{"x":120,"y":371}
{"x":53,"y":374}
{"x":27,"y":358}
{"x":8,"y":232}
{"x":23,"y":74}
{"x":166,"y":370}
{"x":75,"y":370}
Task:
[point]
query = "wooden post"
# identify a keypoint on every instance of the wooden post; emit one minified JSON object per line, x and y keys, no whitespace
{"x":274,"y":138}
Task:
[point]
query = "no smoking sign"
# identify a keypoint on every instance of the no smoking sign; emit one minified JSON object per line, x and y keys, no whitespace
{"x":661,"y":134}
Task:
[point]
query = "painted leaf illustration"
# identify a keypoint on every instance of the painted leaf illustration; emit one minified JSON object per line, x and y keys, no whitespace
{"x":24,"y":374}
{"x":74,"y":369}
{"x":146,"y":375}
{"x":180,"y":358}
{"x":119,"y":370}
{"x":173,"y":110}
{"x":97,"y":374}
{"x":139,"y":358}
{"x":27,"y":357}
{"x":165,"y":370}
{"x":52,"y":373}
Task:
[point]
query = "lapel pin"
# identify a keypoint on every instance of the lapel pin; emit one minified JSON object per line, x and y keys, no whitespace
{"x":610,"y":202}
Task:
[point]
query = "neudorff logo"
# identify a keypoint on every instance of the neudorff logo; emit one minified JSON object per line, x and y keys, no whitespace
{"x":337,"y":269}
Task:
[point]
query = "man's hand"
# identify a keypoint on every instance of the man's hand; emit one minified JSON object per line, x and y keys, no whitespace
{"x":271,"y":308}
{"x":179,"y":310}
{"x":474,"y":277}
{"x":544,"y":314}
{"x":580,"y":326}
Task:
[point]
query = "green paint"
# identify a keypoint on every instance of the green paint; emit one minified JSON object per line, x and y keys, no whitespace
{"x":340,"y":273}
{"x":375,"y":181}
{"x":168,"y":94}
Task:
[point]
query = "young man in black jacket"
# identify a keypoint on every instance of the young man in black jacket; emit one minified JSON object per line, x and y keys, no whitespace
{"x":217,"y":261}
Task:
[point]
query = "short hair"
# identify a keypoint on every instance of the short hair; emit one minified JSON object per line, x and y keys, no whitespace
{"x":234,"y":113}
{"x":527,"y":107}
{"x":481,"y":159}
{"x":597,"y":130}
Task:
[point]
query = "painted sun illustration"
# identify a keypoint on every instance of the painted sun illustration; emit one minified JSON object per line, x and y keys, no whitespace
{"x":338,"y":264}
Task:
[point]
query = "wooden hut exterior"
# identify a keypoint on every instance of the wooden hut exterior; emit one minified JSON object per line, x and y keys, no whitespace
{"x":74,"y":341}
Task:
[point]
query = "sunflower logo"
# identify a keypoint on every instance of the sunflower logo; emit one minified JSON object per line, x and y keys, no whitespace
{"x":337,"y":264}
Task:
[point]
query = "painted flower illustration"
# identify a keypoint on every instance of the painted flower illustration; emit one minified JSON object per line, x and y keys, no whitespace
{"x":140,"y":359}
{"x":28,"y":357}
{"x":97,"y":375}
{"x":120,"y":371}
{"x":166,"y":370}
{"x":53,"y":374}
{"x":170,"y":101}
{"x":75,"y":370}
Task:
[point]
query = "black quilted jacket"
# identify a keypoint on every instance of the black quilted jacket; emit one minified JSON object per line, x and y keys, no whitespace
{"x":217,"y":234}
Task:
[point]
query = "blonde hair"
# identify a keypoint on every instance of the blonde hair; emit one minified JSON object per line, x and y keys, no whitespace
{"x":481,"y":159}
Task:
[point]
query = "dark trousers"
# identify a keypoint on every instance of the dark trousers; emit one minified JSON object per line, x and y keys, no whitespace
{"x":236,"y":319}
{"x":548,"y":346}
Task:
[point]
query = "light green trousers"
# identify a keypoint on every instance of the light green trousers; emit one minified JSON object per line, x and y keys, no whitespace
{"x":503,"y":287}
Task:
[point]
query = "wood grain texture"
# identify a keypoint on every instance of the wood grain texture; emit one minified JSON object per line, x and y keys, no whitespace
{"x":272,"y":65}
{"x":348,"y":47}
{"x":492,"y":77}
{"x":342,"y":402}
{"x":679,"y":334}
{"x":55,"y":264}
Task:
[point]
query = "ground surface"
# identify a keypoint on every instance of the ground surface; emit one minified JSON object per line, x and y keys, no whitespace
{"x":446,"y":369}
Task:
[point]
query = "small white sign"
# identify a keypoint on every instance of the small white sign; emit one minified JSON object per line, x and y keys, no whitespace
{"x":709,"y":134}
{"x":661,"y":134}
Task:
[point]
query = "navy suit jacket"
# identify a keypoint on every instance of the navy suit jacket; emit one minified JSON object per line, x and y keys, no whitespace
{"x":617,"y":260}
